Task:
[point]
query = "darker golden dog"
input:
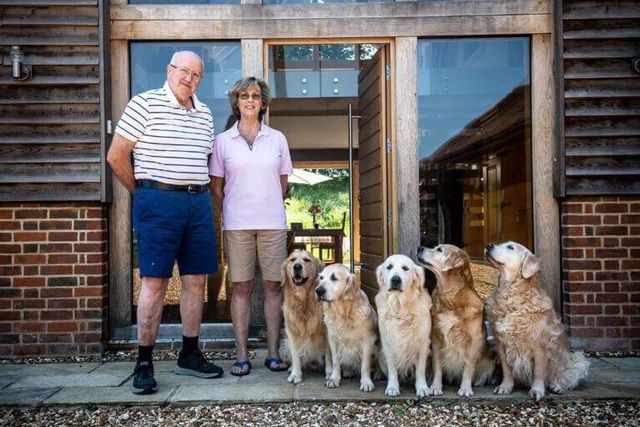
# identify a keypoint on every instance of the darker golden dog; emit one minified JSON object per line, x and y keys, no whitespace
{"x":306,"y":338}
{"x":459,"y":337}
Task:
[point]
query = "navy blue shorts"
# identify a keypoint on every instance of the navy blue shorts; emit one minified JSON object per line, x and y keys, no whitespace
{"x":174,"y":225}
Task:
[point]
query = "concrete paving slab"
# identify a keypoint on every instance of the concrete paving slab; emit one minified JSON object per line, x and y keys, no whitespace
{"x":169,"y":379}
{"x":602,"y":391}
{"x":8,"y":380}
{"x":596,"y":363}
{"x":112,"y":395}
{"x":236,"y":393}
{"x":624,"y":362}
{"x":48,"y":368}
{"x":70,"y":380}
{"x":25,"y":397}
{"x":614,"y":376}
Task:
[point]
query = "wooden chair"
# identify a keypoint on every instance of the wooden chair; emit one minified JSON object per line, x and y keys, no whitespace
{"x":329,"y":249}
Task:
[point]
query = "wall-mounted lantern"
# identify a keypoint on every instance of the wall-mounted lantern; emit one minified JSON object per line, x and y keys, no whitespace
{"x":19,"y":71}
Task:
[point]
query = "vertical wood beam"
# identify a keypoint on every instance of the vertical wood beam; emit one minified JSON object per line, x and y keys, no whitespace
{"x":120,"y":268}
{"x":252,"y":58}
{"x":546,"y":211}
{"x":253,"y":65}
{"x":407,"y":210}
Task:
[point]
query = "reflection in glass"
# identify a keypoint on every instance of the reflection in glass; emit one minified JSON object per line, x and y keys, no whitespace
{"x":475,"y":143}
{"x":221,"y":70}
{"x":324,"y":1}
{"x":184,"y":1}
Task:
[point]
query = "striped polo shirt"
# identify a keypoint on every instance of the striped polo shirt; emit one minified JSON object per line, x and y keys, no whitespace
{"x":172,"y":144}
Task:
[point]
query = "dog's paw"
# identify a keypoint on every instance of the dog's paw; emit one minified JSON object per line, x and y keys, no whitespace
{"x":366,"y":385}
{"x":465,"y":392}
{"x":327,"y":374}
{"x":392,"y":391}
{"x":556,"y":389}
{"x":503,"y":389}
{"x":422,"y":391}
{"x":436,"y":390}
{"x":536,"y":393}
{"x":295,"y":378}
{"x":332,"y":383}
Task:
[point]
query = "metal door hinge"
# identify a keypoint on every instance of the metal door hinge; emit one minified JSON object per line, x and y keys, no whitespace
{"x":388,"y":71}
{"x":388,"y":145}
{"x":389,"y":218}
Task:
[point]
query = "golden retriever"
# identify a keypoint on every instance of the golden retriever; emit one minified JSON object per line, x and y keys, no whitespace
{"x":351,"y":324}
{"x":530,"y":337}
{"x":405,"y":322}
{"x":458,"y":334}
{"x":306,"y":337}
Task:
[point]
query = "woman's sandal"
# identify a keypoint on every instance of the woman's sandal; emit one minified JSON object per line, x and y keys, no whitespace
{"x":274,"y":364}
{"x":241,"y":364}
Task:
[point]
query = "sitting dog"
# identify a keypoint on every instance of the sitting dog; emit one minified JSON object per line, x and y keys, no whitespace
{"x":405,"y":322}
{"x":351,"y":324}
{"x":306,"y":337}
{"x":458,"y":334}
{"x":531,"y":340}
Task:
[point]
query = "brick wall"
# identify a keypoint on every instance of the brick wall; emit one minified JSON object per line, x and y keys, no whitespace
{"x":53,"y":279}
{"x":601,"y":271}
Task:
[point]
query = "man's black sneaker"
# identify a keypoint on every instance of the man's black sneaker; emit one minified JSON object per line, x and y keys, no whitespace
{"x":143,"y":381}
{"x":195,"y":364}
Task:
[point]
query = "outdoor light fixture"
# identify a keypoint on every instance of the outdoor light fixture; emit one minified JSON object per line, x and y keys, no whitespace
{"x":19,"y":71}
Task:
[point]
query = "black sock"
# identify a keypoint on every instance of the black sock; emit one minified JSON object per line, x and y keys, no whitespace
{"x":144,"y":353}
{"x":189,"y":344}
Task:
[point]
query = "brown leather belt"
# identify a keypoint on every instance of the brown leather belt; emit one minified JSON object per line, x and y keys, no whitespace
{"x":190,"y":188}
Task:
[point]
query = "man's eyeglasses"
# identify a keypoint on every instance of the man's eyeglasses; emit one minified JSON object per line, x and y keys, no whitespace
{"x":185,"y":72}
{"x":255,"y":96}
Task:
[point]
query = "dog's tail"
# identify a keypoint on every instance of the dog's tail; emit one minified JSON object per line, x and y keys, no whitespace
{"x":576,"y":367}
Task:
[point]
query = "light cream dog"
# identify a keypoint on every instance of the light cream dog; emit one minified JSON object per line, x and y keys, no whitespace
{"x":531,"y":340}
{"x":405,"y":322}
{"x":351,"y":324}
{"x":306,"y":337}
{"x":458,"y":335}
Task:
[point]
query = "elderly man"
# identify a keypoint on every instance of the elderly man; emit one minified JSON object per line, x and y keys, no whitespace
{"x":170,"y":133}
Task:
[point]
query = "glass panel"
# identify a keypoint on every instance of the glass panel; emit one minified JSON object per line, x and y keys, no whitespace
{"x":317,"y":71}
{"x":184,"y":1}
{"x":222,"y":69}
{"x":324,"y":1}
{"x":475,"y":142}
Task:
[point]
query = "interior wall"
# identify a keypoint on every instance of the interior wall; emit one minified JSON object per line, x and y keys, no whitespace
{"x":315,"y":132}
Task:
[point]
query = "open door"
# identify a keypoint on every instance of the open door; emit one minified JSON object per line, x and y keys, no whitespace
{"x":373,"y":176}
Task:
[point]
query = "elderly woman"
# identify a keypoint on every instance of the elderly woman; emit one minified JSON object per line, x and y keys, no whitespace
{"x":249,"y":166}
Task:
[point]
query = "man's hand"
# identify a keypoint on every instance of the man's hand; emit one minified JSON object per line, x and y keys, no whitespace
{"x":119,"y":158}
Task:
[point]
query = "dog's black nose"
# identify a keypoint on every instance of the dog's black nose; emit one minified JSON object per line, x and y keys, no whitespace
{"x":396,"y":283}
{"x":420,"y":250}
{"x":297,"y":268}
{"x":320,"y":291}
{"x":489,"y":246}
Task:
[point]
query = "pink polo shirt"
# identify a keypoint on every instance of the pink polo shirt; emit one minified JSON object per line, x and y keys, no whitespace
{"x":252,"y":192}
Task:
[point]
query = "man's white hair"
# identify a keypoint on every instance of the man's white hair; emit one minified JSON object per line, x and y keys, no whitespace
{"x":178,"y":55}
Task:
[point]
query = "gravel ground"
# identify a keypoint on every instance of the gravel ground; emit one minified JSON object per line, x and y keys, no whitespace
{"x":592,"y":413}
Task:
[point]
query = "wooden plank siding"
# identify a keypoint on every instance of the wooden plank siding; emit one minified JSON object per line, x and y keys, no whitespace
{"x":50,"y":125}
{"x":601,"y":118}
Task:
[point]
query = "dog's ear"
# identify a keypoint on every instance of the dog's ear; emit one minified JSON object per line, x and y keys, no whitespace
{"x":284,"y":272}
{"x":319,"y":266}
{"x":353,"y":284}
{"x":530,"y":266}
{"x":380,"y":276}
{"x":418,"y":272}
{"x":454,"y":260}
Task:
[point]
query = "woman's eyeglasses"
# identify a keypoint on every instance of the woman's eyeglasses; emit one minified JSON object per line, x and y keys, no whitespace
{"x":186,"y":73}
{"x":255,"y":96}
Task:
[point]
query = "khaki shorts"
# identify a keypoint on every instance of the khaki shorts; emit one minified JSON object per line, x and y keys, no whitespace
{"x":241,"y":246}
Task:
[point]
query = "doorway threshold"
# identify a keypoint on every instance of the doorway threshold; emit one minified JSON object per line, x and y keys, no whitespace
{"x":172,"y":333}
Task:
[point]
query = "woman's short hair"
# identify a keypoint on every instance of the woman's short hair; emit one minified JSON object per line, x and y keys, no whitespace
{"x":244,"y":84}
